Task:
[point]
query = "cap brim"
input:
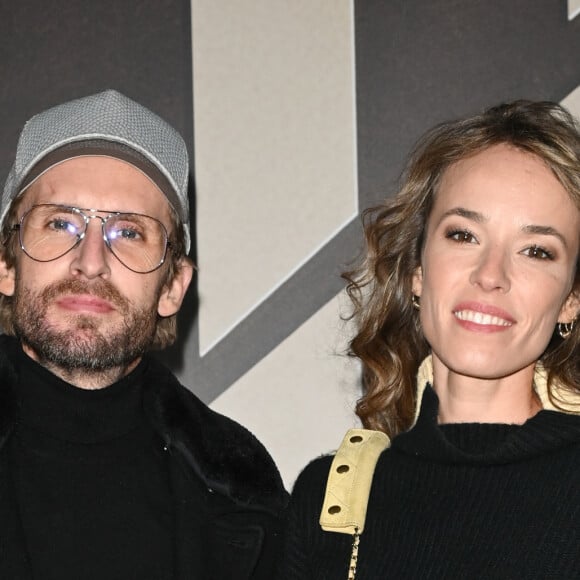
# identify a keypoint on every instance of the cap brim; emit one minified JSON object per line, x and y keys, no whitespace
{"x":101,"y":147}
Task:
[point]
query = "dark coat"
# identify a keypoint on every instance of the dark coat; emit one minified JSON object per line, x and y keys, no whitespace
{"x":228,"y":493}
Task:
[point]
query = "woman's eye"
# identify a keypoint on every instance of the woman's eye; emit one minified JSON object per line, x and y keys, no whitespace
{"x":538,"y":253}
{"x":461,"y":236}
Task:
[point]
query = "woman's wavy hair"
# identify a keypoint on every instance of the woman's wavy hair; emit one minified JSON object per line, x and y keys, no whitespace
{"x":166,"y":327}
{"x":389,"y":341}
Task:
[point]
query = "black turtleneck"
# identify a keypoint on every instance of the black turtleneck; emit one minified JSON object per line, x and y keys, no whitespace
{"x":454,"y":501}
{"x":91,"y":480}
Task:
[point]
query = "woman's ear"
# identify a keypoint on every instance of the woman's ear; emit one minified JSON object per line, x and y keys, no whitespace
{"x":7,"y":278}
{"x":571,"y":308}
{"x":173,"y":292}
{"x":417,"y":285}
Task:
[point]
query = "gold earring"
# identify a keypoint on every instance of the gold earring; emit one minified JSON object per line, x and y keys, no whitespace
{"x":415,"y":302}
{"x":565,"y":328}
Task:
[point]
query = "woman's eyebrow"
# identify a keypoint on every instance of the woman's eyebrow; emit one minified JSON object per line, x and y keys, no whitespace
{"x":466,"y":213}
{"x":545,"y":231}
{"x":481,"y":218}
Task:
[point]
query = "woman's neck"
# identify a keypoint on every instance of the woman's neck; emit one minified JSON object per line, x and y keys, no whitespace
{"x":467,"y":399}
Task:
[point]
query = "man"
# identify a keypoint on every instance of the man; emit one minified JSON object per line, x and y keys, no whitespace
{"x":109,"y":468}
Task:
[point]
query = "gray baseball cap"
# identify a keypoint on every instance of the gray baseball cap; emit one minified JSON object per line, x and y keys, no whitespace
{"x":108,"y":124}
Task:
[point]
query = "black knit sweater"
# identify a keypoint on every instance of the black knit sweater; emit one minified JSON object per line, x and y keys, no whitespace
{"x":454,"y":501}
{"x":90,"y":479}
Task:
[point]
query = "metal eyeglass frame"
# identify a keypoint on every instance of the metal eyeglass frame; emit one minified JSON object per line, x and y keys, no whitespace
{"x":89,"y":214}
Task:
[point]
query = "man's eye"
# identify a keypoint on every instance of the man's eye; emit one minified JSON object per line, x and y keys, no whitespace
{"x":129,"y":234}
{"x":126,"y":234}
{"x":62,"y":225}
{"x":538,"y":253}
{"x":461,"y":236}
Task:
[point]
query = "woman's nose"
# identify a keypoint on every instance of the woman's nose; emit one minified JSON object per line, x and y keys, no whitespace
{"x":492,"y":271}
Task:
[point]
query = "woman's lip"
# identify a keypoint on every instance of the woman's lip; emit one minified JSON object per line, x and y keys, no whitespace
{"x":485,"y":312}
{"x":85,"y":303}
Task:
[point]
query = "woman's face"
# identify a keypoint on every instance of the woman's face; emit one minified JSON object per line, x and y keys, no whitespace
{"x":498,"y":263}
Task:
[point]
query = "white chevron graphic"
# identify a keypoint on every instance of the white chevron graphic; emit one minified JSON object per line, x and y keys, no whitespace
{"x":260,"y":185}
{"x":572,"y":102}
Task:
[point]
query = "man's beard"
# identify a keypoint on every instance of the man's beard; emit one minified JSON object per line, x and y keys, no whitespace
{"x":82,"y":346}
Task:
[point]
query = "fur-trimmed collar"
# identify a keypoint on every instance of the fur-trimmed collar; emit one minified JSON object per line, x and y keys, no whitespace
{"x":223,"y":454}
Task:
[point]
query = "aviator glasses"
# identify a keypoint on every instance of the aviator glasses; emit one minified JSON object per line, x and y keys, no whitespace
{"x":49,"y":231}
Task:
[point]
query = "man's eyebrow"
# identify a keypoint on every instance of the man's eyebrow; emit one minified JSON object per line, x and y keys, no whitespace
{"x":545,"y":231}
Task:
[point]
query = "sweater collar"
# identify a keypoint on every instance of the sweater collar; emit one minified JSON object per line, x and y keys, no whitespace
{"x":62,"y":411}
{"x":487,"y":444}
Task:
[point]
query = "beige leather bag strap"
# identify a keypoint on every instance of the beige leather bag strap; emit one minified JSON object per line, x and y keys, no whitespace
{"x":349,"y":483}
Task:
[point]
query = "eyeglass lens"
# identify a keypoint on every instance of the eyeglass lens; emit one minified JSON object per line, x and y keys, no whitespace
{"x":48,"y":232}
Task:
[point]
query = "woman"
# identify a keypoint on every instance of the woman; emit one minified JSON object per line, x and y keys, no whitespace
{"x":466,"y":304}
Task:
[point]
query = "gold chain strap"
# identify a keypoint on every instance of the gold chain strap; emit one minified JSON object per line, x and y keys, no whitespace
{"x":354,"y":555}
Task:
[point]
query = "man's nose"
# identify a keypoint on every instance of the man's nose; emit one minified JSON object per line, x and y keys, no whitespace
{"x":91,"y":257}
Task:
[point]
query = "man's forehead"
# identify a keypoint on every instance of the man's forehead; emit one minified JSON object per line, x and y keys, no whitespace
{"x":106,"y":182}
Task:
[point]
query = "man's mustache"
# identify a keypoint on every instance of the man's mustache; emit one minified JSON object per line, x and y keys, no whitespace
{"x":100,"y":289}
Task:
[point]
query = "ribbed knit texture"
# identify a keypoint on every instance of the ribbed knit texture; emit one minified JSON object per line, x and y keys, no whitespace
{"x":454,"y":501}
{"x":91,"y":481}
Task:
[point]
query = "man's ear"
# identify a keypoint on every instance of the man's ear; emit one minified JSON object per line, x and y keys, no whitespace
{"x":7,"y":278}
{"x":417,"y":285}
{"x":571,"y":308}
{"x":173,"y":292}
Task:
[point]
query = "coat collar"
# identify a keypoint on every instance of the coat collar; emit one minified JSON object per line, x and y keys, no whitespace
{"x":225,"y":455}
